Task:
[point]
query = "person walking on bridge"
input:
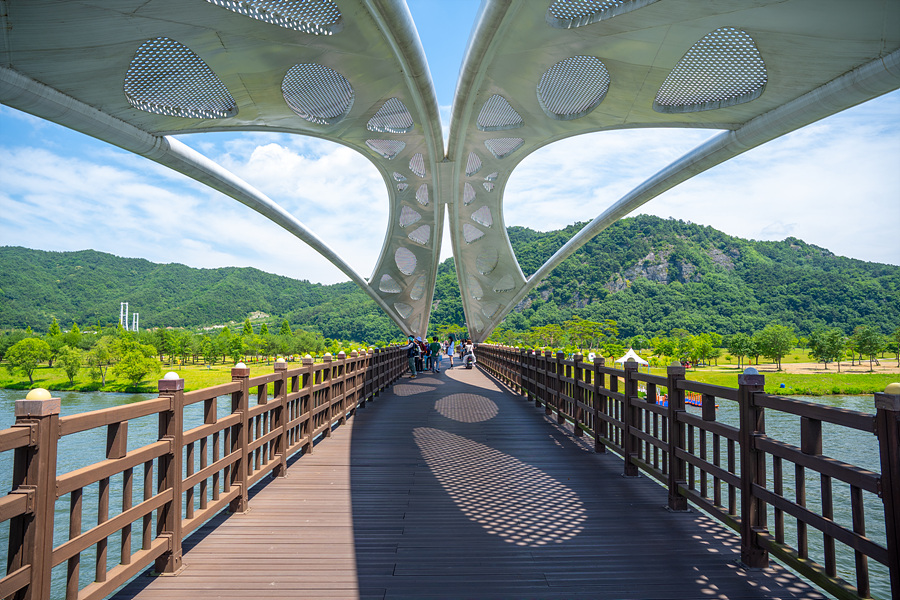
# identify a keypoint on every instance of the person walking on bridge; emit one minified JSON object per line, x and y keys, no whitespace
{"x":412,"y":353}
{"x":435,"y":350}
{"x":451,"y":342}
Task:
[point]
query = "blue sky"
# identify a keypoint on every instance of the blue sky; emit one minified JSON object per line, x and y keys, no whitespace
{"x":835,"y":184}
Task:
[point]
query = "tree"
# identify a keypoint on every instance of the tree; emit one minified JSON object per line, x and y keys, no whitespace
{"x":73,"y":338}
{"x":248,"y":328}
{"x":665,"y":347}
{"x":70,"y":360}
{"x":263,"y":330}
{"x":285,"y":328}
{"x":868,"y":342}
{"x":208,"y":348}
{"x":755,"y":348}
{"x":827,"y":345}
{"x":54,"y":329}
{"x":27,"y":354}
{"x":740,"y":345}
{"x":100,"y":357}
{"x":236,"y":348}
{"x":775,"y":341}
{"x":138,"y":361}
{"x":895,"y":344}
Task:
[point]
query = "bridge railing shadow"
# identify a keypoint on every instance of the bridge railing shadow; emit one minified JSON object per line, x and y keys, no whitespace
{"x":754,"y":461}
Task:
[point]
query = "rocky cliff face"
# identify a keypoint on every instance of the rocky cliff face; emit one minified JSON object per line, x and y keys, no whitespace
{"x":657,"y":267}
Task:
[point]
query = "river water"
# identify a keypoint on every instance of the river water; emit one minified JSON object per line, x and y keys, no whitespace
{"x":857,"y":448}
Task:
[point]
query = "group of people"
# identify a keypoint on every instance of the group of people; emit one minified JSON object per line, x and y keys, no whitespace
{"x":424,"y":356}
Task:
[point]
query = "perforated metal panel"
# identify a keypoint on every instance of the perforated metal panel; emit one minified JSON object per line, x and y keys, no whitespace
{"x":417,"y":290}
{"x":403,"y":309}
{"x":468,"y":193}
{"x":487,"y":261}
{"x":318,"y":17}
{"x":504,"y":284}
{"x":408,"y":216}
{"x":422,"y":194}
{"x":405,"y":260}
{"x":567,"y":14}
{"x":392,"y":117}
{"x":417,"y":165}
{"x":482,"y":216}
{"x":498,"y":114}
{"x":471,"y":233}
{"x":503,"y":147}
{"x":474,"y":288}
{"x":388,"y":285}
{"x":420,"y":235}
{"x":473,"y":164}
{"x":386,"y":148}
{"x":724,"y":68}
{"x":317,"y":93}
{"x":167,"y":78}
{"x":573,"y":87}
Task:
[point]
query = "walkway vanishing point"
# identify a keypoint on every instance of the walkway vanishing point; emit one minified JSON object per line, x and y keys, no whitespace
{"x":450,"y":487}
{"x":464,"y":484}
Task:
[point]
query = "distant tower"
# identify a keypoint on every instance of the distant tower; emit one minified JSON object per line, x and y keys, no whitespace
{"x":135,"y":319}
{"x":123,"y":315}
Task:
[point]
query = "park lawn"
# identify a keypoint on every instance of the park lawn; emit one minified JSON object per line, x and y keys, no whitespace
{"x":818,"y":384}
{"x":199,"y":376}
{"x":195,"y":377}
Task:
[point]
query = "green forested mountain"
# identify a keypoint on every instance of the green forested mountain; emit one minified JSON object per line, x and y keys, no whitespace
{"x":654,"y":275}
{"x":651,"y":275}
{"x":87,"y":286}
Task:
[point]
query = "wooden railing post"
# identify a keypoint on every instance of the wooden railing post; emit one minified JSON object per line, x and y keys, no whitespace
{"x":326,"y":379}
{"x":549,"y":385}
{"x":168,"y":516}
{"x":887,"y":427}
{"x":34,"y":475}
{"x":308,"y":379}
{"x":630,"y":442}
{"x":601,"y":429}
{"x":240,"y":438}
{"x":524,"y":372}
{"x":578,"y":394}
{"x":753,"y":469}
{"x":280,"y":393}
{"x":677,"y":471}
{"x":559,"y":371}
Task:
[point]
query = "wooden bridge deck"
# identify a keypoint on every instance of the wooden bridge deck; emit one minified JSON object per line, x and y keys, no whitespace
{"x":447,"y":486}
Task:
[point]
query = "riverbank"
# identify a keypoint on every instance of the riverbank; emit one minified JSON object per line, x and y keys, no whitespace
{"x":795,"y":379}
{"x":195,"y":377}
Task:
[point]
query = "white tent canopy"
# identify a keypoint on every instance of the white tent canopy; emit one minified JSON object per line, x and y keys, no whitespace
{"x":631,"y":354}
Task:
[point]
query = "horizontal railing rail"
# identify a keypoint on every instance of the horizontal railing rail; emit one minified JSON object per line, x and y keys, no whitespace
{"x":773,"y":492}
{"x":148,"y":499}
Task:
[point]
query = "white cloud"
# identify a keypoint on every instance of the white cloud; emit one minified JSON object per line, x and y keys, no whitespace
{"x":131,"y":207}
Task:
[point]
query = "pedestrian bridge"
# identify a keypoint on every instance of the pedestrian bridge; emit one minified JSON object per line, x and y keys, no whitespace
{"x":347,"y":479}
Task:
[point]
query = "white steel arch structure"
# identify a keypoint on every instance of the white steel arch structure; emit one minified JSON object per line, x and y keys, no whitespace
{"x":136,"y":72}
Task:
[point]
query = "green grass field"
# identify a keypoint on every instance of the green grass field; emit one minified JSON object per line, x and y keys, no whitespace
{"x":195,"y":377}
{"x":853,"y":384}
{"x":199,"y":376}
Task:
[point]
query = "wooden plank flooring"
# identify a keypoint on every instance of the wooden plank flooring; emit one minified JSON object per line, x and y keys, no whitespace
{"x":447,"y":486}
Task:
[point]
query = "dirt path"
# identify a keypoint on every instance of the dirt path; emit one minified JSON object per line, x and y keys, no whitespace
{"x":888,"y":365}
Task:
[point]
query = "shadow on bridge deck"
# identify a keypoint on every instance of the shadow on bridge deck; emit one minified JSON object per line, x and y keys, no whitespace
{"x":447,"y":486}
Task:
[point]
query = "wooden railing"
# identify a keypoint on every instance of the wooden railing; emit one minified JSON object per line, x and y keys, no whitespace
{"x":734,"y":471}
{"x":199,"y":472}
